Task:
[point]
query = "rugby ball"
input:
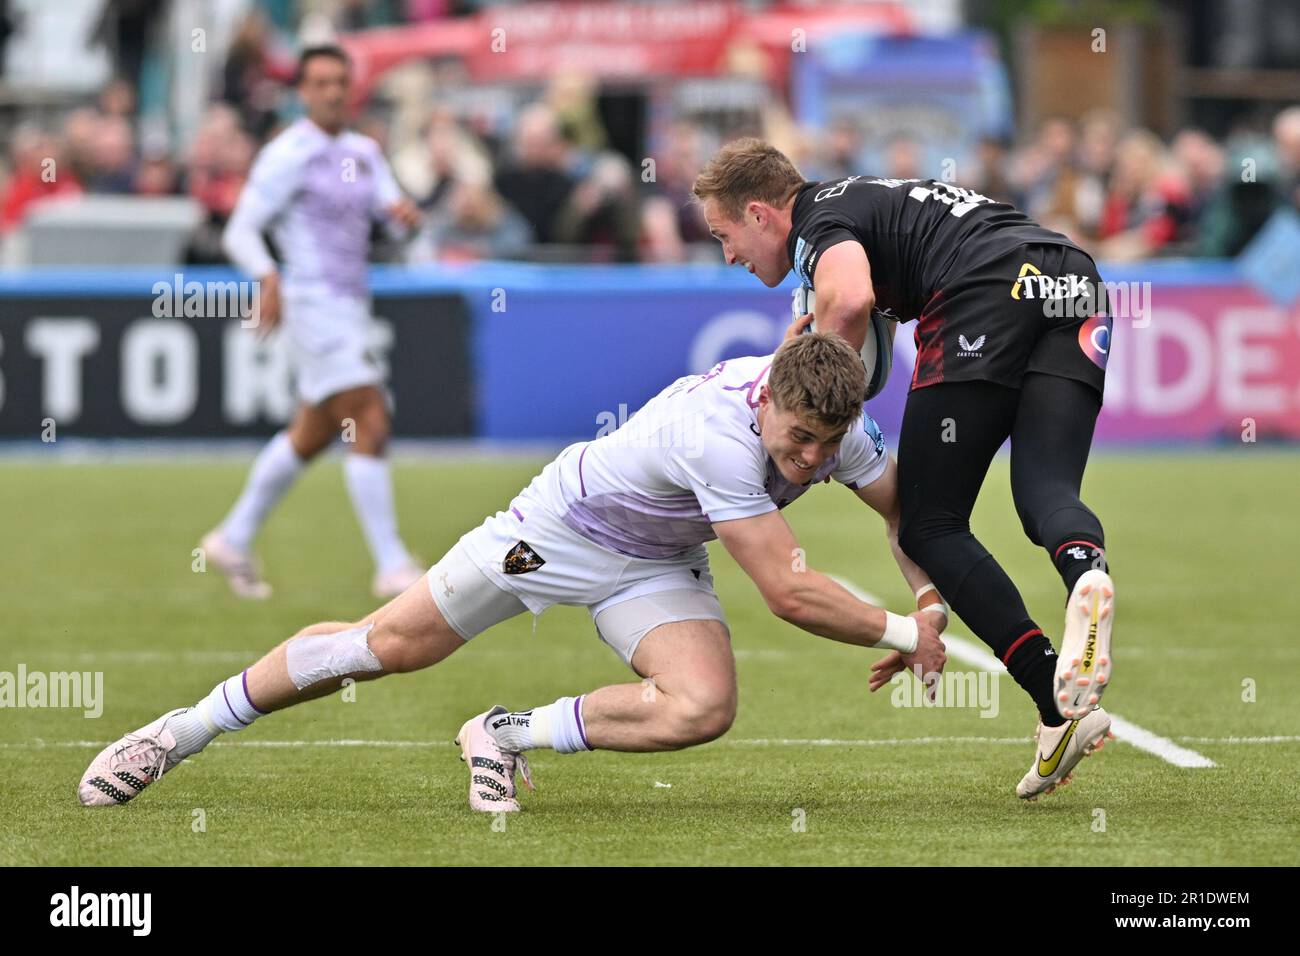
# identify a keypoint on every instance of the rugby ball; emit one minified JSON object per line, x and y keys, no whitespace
{"x":877,"y":349}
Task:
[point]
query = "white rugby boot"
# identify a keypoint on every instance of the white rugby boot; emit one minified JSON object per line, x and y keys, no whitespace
{"x":123,"y":769}
{"x":1059,"y":750}
{"x":1084,"y":663}
{"x":491,"y":769}
{"x":239,"y":567}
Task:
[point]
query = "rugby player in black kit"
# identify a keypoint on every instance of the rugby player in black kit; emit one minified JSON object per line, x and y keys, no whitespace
{"x":1012,"y":337}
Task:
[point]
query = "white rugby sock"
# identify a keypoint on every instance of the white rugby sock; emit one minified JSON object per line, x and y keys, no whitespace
{"x":371,"y":488}
{"x":556,"y":726}
{"x":226,"y":708}
{"x":273,"y":473}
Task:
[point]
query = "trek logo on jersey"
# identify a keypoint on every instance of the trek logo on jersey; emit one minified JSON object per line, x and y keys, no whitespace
{"x":521,"y":559}
{"x":969,"y":349}
{"x":1032,"y":284}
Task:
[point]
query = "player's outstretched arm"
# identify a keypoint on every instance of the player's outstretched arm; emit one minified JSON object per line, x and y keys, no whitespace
{"x":766,"y":549}
{"x":882,"y":497}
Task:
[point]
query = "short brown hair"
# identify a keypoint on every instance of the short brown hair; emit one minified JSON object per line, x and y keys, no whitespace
{"x":746,"y":170}
{"x":329,"y":50}
{"x":817,"y":375}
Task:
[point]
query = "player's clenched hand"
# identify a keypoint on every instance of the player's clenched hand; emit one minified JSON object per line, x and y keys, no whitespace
{"x":929,"y":656}
{"x":798,"y":325}
{"x":268,"y":303}
{"x":405,"y":213}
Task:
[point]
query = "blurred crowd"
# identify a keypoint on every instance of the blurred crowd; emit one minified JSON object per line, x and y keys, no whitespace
{"x":545,"y":184}
{"x":1126,"y":194}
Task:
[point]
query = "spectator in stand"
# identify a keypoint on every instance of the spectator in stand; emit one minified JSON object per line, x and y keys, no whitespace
{"x":1099,"y":135}
{"x":1201,"y":163}
{"x":1146,"y":210}
{"x":1050,"y":177}
{"x":671,"y":221}
{"x":156,"y":173}
{"x":453,"y":155}
{"x":1261,"y":177}
{"x":220,"y":158}
{"x":38,"y":174}
{"x":80,"y":135}
{"x":903,"y":158}
{"x":537,"y":180}
{"x":838,"y":152}
{"x":253,"y":80}
{"x":603,"y":212}
{"x":1286,"y":143}
{"x":470,"y":222}
{"x":571,"y":97}
{"x":113,"y":162}
{"x":993,"y":178}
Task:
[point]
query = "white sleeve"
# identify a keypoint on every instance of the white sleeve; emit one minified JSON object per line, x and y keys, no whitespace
{"x":387,"y":191}
{"x":725,"y":474}
{"x":271,"y":184}
{"x":863,"y":455}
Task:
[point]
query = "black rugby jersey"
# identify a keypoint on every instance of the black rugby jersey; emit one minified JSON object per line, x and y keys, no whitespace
{"x":917,"y":233}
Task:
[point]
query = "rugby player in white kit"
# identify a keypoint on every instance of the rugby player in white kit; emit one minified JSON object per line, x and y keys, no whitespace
{"x":617,"y":525}
{"x":318,"y":187}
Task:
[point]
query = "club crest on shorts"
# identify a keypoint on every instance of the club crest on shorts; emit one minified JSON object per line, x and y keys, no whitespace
{"x":521,"y":559}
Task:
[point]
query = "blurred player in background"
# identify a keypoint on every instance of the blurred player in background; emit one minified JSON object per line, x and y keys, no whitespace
{"x":1012,"y":337}
{"x":319,"y":187}
{"x":617,"y":525}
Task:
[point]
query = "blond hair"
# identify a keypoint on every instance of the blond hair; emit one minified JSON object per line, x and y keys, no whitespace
{"x":746,"y":170}
{"x":818,"y":376}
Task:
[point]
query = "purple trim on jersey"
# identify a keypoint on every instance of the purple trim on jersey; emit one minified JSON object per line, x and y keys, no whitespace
{"x":249,"y":697}
{"x":518,"y":513}
{"x":582,"y":485}
{"x":231,"y":709}
{"x":710,"y":374}
{"x":640,"y":526}
{"x":749,"y":397}
{"x":577,"y":716}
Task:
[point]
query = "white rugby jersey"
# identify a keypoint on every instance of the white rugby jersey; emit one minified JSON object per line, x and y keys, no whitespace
{"x":690,"y":457}
{"x":319,"y":195}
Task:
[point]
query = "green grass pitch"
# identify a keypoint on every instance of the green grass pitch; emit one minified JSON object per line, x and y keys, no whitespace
{"x":96,"y":576}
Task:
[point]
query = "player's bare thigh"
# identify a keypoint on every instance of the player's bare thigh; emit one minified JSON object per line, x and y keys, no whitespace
{"x":359,"y":413}
{"x":688,"y":695}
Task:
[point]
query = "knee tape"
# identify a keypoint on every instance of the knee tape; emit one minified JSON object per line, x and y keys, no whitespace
{"x":321,"y":656}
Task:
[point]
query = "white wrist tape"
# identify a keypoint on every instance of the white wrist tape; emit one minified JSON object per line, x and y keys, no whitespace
{"x":901,"y":633}
{"x":941,"y":607}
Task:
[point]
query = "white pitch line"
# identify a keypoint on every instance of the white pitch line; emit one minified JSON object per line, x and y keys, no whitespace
{"x":971,"y":653}
{"x":1279,"y":739}
{"x":879,"y":742}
